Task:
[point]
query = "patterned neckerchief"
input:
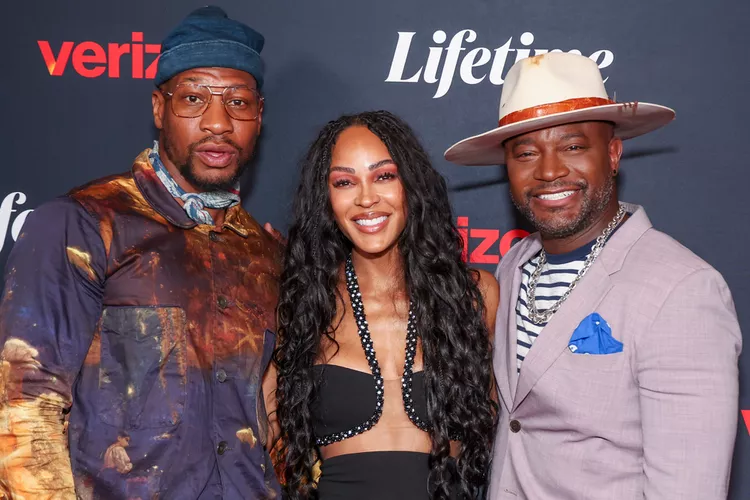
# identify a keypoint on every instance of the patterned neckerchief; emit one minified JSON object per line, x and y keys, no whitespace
{"x":194,"y":204}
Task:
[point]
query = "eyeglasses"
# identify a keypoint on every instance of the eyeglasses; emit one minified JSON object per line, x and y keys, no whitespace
{"x":191,"y":100}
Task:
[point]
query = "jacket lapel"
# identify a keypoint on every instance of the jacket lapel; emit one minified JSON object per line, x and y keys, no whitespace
{"x":584,"y":300}
{"x":555,"y":336}
{"x":505,"y":329}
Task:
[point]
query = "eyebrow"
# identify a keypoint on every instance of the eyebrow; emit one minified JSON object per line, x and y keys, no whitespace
{"x":202,"y":81}
{"x":374,"y":166}
{"x":522,"y":142}
{"x":573,"y":135}
{"x":527,"y":141}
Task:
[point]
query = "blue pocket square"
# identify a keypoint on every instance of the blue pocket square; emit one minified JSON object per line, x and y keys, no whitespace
{"x":594,"y":336}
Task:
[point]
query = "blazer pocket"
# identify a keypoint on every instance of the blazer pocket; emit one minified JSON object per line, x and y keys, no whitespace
{"x":593,"y":363}
{"x":143,"y":369}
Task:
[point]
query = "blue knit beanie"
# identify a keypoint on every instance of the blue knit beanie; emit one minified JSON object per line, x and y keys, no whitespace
{"x":208,"y":38}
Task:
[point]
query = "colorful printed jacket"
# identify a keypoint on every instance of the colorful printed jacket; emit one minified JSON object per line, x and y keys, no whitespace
{"x":150,"y":335}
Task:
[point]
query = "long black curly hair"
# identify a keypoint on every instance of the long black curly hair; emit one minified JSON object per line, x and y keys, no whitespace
{"x":445,"y":297}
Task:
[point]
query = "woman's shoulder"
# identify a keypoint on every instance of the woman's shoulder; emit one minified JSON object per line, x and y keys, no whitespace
{"x":490,"y":291}
{"x":486,"y":281}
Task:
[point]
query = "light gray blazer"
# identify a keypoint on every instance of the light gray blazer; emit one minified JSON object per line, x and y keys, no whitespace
{"x":655,"y":421}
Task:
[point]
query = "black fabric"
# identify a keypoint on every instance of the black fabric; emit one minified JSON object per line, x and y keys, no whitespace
{"x":346,"y":398}
{"x":392,"y":475}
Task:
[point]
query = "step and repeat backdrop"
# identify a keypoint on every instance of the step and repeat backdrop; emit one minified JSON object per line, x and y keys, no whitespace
{"x":76,"y":94}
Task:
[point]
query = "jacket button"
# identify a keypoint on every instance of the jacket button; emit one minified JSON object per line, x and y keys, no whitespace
{"x":213,"y":236}
{"x":221,"y":375}
{"x":222,"y":302}
{"x":515,"y":425}
{"x":221,"y":448}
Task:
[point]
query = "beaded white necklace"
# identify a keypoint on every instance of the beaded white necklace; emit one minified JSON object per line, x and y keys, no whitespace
{"x":358,"y":308}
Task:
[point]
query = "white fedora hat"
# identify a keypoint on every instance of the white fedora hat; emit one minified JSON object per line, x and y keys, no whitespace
{"x":554,"y":89}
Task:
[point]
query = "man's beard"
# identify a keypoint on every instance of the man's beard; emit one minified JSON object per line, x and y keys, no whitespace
{"x":186,"y":167}
{"x":593,"y":205}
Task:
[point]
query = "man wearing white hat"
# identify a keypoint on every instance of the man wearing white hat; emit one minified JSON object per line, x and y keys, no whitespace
{"x":616,"y":348}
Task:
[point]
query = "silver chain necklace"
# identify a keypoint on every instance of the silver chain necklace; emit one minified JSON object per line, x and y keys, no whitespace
{"x":541,"y":317}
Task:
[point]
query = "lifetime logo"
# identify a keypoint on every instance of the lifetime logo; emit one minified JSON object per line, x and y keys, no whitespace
{"x":92,"y":60}
{"x":11,"y":217}
{"x":472,"y":65}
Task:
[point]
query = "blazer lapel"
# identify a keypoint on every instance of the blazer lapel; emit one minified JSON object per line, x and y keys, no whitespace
{"x":555,"y":336}
{"x":583,"y":301}
{"x":505,"y":329}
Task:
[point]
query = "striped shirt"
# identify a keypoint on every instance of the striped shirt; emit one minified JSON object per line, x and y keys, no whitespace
{"x":558,"y":273}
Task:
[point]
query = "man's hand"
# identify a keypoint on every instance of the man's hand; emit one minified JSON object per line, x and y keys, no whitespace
{"x":273,"y":232}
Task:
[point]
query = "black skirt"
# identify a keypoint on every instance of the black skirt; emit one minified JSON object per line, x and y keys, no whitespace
{"x":378,"y":475}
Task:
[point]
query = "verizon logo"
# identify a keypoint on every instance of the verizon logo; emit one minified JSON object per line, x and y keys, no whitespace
{"x":92,"y":60}
{"x":486,"y":246}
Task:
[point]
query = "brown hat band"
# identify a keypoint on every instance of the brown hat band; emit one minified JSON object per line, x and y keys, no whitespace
{"x":553,"y":109}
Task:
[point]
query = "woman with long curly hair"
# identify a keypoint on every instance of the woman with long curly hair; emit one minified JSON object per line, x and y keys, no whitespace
{"x":384,"y":362}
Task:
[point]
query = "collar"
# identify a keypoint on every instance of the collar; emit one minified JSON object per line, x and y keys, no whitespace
{"x":165,"y":205}
{"x":619,"y":244}
{"x":614,"y":252}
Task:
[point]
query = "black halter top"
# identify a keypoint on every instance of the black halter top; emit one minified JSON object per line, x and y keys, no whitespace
{"x":341,"y":409}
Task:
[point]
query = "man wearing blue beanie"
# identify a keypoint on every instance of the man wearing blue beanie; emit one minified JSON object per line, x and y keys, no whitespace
{"x":137,"y":319}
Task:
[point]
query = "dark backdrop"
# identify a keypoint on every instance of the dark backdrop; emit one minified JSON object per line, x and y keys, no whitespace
{"x":72,"y":113}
